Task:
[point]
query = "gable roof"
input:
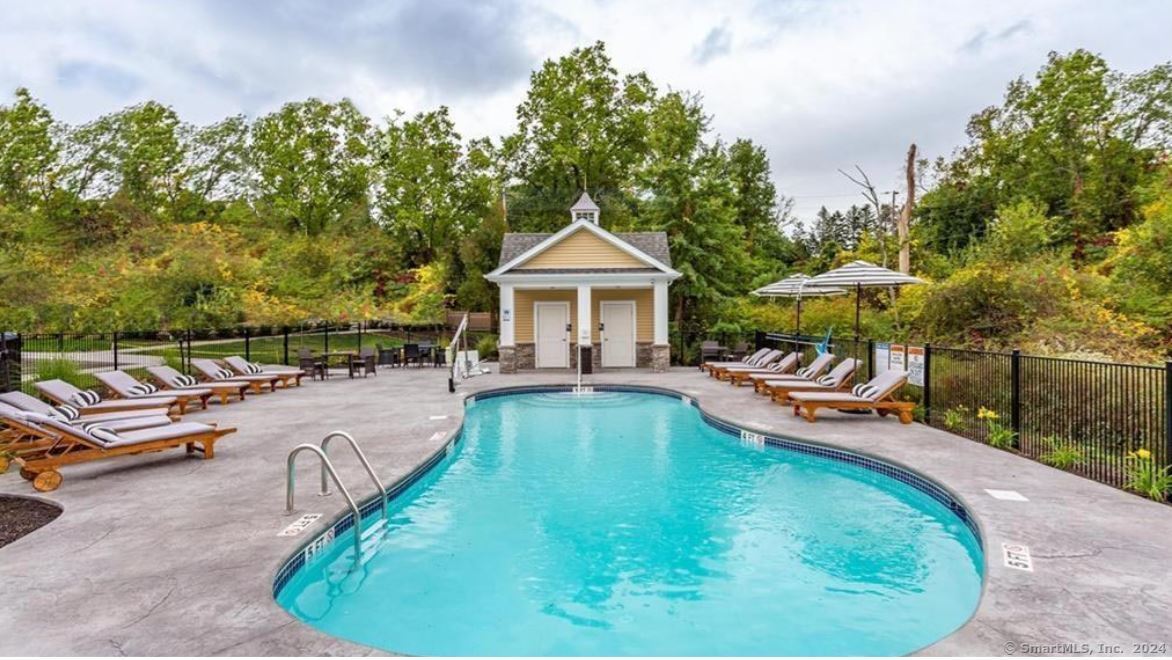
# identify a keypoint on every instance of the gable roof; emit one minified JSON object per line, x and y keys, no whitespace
{"x":650,"y":248}
{"x":651,"y":243}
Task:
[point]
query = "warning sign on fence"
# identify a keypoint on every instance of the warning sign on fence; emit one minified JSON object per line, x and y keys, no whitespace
{"x":915,"y":365}
{"x":897,"y":361}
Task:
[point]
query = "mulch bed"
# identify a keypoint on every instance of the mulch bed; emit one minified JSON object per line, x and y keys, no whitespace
{"x":21,"y":515}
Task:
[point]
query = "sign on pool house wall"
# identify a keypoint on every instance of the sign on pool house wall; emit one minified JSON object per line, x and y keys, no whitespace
{"x":584,"y":294}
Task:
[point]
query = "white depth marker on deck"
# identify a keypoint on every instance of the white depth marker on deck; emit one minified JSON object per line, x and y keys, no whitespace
{"x":436,"y":418}
{"x":438,"y":435}
{"x":1017,"y":556}
{"x":1007,"y":495}
{"x":299,"y":525}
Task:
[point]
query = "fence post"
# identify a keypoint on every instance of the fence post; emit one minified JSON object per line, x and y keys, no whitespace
{"x":1015,"y":395}
{"x":286,"y":332}
{"x":247,"y":344}
{"x":1168,"y":412}
{"x":870,"y":357}
{"x":327,"y":340}
{"x":115,"y":335}
{"x":360,"y":337}
{"x":758,"y":340}
{"x":928,"y":383}
{"x":189,"y":356}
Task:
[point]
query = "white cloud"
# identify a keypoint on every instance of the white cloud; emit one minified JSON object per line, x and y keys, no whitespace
{"x":822,"y":85}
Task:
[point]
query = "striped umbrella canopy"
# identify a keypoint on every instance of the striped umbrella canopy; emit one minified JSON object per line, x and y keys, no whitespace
{"x":797,"y":286}
{"x":859,"y":274}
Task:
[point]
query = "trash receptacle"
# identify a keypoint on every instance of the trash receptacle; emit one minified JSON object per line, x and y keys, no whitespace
{"x":9,"y":361}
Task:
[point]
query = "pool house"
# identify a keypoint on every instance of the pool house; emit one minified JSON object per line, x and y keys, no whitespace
{"x":584,"y":291}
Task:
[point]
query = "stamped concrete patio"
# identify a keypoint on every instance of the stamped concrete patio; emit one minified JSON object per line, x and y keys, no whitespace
{"x":166,"y":555}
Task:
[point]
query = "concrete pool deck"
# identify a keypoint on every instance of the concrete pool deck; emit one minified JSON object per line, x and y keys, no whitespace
{"x":165,"y":555}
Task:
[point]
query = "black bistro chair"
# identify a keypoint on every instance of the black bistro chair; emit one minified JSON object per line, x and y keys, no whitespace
{"x":411,"y":354}
{"x":312,"y":365}
{"x":363,"y":362}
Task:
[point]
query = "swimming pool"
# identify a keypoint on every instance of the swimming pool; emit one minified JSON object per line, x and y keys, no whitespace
{"x":624,"y":524}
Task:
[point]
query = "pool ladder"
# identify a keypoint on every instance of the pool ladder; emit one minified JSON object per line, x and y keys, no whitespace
{"x":329,"y":473}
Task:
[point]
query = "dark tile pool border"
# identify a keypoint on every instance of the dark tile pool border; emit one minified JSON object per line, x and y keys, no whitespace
{"x":900,"y":473}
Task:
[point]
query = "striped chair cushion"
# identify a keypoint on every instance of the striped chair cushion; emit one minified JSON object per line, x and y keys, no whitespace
{"x":183,"y":380}
{"x":85,"y":398}
{"x":101,"y":433}
{"x":224,"y":374}
{"x":805,"y":372}
{"x":253,"y":368}
{"x":826,"y":380}
{"x":142,"y":389}
{"x":865,"y":391}
{"x":68,"y":412}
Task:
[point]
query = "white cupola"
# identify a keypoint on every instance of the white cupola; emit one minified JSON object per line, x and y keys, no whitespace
{"x":584,"y":209}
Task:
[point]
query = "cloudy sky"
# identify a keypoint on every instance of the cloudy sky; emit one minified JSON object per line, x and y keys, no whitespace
{"x":822,"y":85}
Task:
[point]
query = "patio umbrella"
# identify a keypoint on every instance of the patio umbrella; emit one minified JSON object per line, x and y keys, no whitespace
{"x":859,"y":274}
{"x":797,"y":286}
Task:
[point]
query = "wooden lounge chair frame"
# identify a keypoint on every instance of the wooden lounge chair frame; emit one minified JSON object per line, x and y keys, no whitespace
{"x":884,"y":405}
{"x":738,"y":377}
{"x":284,"y":376}
{"x":717,"y":371}
{"x":182,"y":399}
{"x":115,"y":405}
{"x":224,"y":390}
{"x":256,"y":382}
{"x":54,"y":448}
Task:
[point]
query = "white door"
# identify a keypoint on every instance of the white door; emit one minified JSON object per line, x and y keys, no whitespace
{"x":549,"y":322}
{"x":618,"y":333}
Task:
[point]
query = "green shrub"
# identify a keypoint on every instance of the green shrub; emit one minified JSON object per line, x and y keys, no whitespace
{"x":997,"y":435}
{"x":1145,"y":478}
{"x":955,"y":419}
{"x":1062,"y":454}
{"x":486,"y":346}
{"x":62,"y":369}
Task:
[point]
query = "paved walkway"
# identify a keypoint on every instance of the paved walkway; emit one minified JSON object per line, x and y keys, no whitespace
{"x":165,"y":555}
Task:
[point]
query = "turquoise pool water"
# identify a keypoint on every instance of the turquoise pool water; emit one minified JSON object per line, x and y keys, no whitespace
{"x":623,"y":524}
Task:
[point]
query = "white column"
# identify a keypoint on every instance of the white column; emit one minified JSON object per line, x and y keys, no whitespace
{"x":584,"y":315}
{"x":507,"y":315}
{"x":660,"y":300}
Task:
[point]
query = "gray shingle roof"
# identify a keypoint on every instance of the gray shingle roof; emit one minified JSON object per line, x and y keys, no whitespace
{"x":651,"y":243}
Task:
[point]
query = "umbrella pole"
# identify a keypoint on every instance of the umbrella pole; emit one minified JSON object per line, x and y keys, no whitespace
{"x":858,"y":304}
{"x":798,"y":325}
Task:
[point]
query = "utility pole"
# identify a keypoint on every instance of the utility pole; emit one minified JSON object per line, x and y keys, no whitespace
{"x":905,"y":217}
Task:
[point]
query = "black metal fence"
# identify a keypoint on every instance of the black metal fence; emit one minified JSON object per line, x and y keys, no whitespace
{"x":26,"y":358}
{"x":1096,"y":414}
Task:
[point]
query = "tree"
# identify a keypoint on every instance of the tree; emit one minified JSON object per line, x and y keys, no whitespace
{"x":28,"y":152}
{"x":311,"y":163}
{"x":148,"y":154}
{"x":580,"y":127}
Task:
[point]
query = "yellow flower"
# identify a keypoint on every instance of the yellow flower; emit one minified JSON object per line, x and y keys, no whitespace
{"x":1143,"y":454}
{"x":985,"y":413}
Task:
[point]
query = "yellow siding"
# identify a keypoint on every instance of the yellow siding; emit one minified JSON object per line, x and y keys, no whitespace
{"x":644,"y":310}
{"x":582,"y":249}
{"x":523,"y":311}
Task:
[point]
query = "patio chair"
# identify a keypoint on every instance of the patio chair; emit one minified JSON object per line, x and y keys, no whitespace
{"x":213,"y":372}
{"x":769,"y":358}
{"x":67,"y":413}
{"x":711,"y":351}
{"x":751,"y":360}
{"x":364,"y":362}
{"x":387,"y":357}
{"x":740,"y":350}
{"x":738,"y":376}
{"x":838,"y":379}
{"x":311,"y":364}
{"x":52,"y":444}
{"x":89,"y":402}
{"x":170,"y":379}
{"x":805,"y":374}
{"x":245,"y":368}
{"x":411,"y":354}
{"x":124,"y":386}
{"x":878,"y":395}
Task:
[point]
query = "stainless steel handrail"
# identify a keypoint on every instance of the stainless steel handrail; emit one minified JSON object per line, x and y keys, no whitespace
{"x":328,"y":467}
{"x":325,"y":484}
